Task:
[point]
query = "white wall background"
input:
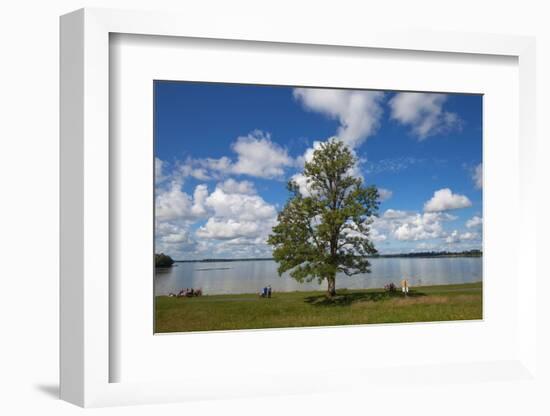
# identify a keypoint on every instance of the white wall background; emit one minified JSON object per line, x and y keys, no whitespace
{"x":29,"y":183}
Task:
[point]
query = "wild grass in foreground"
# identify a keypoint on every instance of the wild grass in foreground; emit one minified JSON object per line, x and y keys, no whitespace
{"x":298,"y":309}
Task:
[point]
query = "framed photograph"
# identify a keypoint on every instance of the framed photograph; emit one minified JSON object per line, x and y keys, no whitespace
{"x":251,"y":215}
{"x":348,"y":207}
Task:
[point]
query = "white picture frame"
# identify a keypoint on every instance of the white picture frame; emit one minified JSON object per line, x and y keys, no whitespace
{"x":86,"y":218}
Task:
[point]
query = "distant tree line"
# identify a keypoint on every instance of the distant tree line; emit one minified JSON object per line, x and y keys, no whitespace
{"x":466,"y":253}
{"x":223,"y":260}
{"x":162,"y":260}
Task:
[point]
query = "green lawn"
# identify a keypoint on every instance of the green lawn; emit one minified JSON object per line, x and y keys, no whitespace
{"x":295,"y":309}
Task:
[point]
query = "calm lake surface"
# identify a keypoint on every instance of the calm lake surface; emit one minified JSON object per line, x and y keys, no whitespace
{"x":251,"y":276}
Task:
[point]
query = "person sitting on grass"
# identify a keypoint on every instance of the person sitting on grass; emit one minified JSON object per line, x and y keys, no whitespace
{"x":269,"y":291}
{"x":263,"y":293}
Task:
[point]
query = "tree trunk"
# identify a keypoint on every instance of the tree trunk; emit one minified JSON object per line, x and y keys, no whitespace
{"x":331,"y":290}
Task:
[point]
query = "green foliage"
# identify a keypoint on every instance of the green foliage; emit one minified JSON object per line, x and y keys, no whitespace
{"x":327,"y":231}
{"x":162,"y":260}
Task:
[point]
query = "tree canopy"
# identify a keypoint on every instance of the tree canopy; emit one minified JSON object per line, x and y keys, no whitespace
{"x":325,"y":228}
{"x":163,"y":260}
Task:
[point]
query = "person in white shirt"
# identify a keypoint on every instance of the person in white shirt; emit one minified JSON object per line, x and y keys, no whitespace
{"x":405,"y":286}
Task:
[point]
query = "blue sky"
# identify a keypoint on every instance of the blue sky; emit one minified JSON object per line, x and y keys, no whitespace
{"x":224,"y":153}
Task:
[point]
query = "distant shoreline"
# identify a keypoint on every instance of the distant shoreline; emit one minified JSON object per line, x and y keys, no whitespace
{"x":472,"y":253}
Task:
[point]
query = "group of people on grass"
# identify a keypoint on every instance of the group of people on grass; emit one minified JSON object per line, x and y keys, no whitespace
{"x":390,"y":287}
{"x":266,"y":292}
{"x":187,"y":292}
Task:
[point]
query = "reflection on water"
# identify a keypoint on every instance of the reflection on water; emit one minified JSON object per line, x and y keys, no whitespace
{"x":251,"y":276}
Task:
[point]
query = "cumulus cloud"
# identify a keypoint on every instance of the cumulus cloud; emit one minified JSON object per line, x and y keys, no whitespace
{"x":411,"y":226}
{"x":200,"y":194}
{"x":159,"y":171}
{"x":384,"y":194}
{"x":444,"y":200}
{"x":377,"y":236}
{"x":477,"y":176}
{"x":303,"y":186}
{"x":457,"y":237}
{"x":175,"y":238}
{"x":474,"y":222}
{"x":259,"y":156}
{"x":231,"y":186}
{"x":236,"y":216}
{"x":190,"y":168}
{"x":172,"y":203}
{"x":419,"y":227}
{"x":256,"y":155}
{"x":239,"y":206}
{"x":394,"y":214}
{"x":237,"y":211}
{"x":422,"y":231}
{"x":358,"y":112}
{"x":172,"y":233}
{"x":423,"y":113}
{"x":308,"y":154}
{"x":228,"y":228}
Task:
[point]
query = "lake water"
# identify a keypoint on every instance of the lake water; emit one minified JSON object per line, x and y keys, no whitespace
{"x":250,"y":276}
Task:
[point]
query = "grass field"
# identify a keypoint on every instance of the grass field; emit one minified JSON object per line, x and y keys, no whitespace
{"x":298,"y":309}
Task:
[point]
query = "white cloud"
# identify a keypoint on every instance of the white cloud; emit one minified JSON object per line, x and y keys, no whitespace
{"x":308,"y":154}
{"x":456,"y":237}
{"x":172,"y":203}
{"x":384,"y":194}
{"x":411,"y":226}
{"x":174,"y":239}
{"x":419,"y":227}
{"x":236,"y":217}
{"x":198,"y":209}
{"x":444,"y":200}
{"x":414,"y":231}
{"x":231,"y":186}
{"x":474,"y":222}
{"x":469,"y":236}
{"x":358,"y":112}
{"x":239,"y":206}
{"x":425,"y":246}
{"x":159,"y":171}
{"x":259,"y":156}
{"x":477,"y":176}
{"x":237,"y":212}
{"x":170,"y":233}
{"x":302,"y":181}
{"x":223,"y":164}
{"x":377,"y":236}
{"x":256,"y":155}
{"x":423,"y":113}
{"x":228,"y":228}
{"x":394,"y":214}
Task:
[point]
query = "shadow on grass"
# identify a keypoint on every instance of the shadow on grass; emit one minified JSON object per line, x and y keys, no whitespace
{"x":348,"y":298}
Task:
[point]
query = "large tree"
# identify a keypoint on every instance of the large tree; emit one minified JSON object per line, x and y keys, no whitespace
{"x":325,"y":228}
